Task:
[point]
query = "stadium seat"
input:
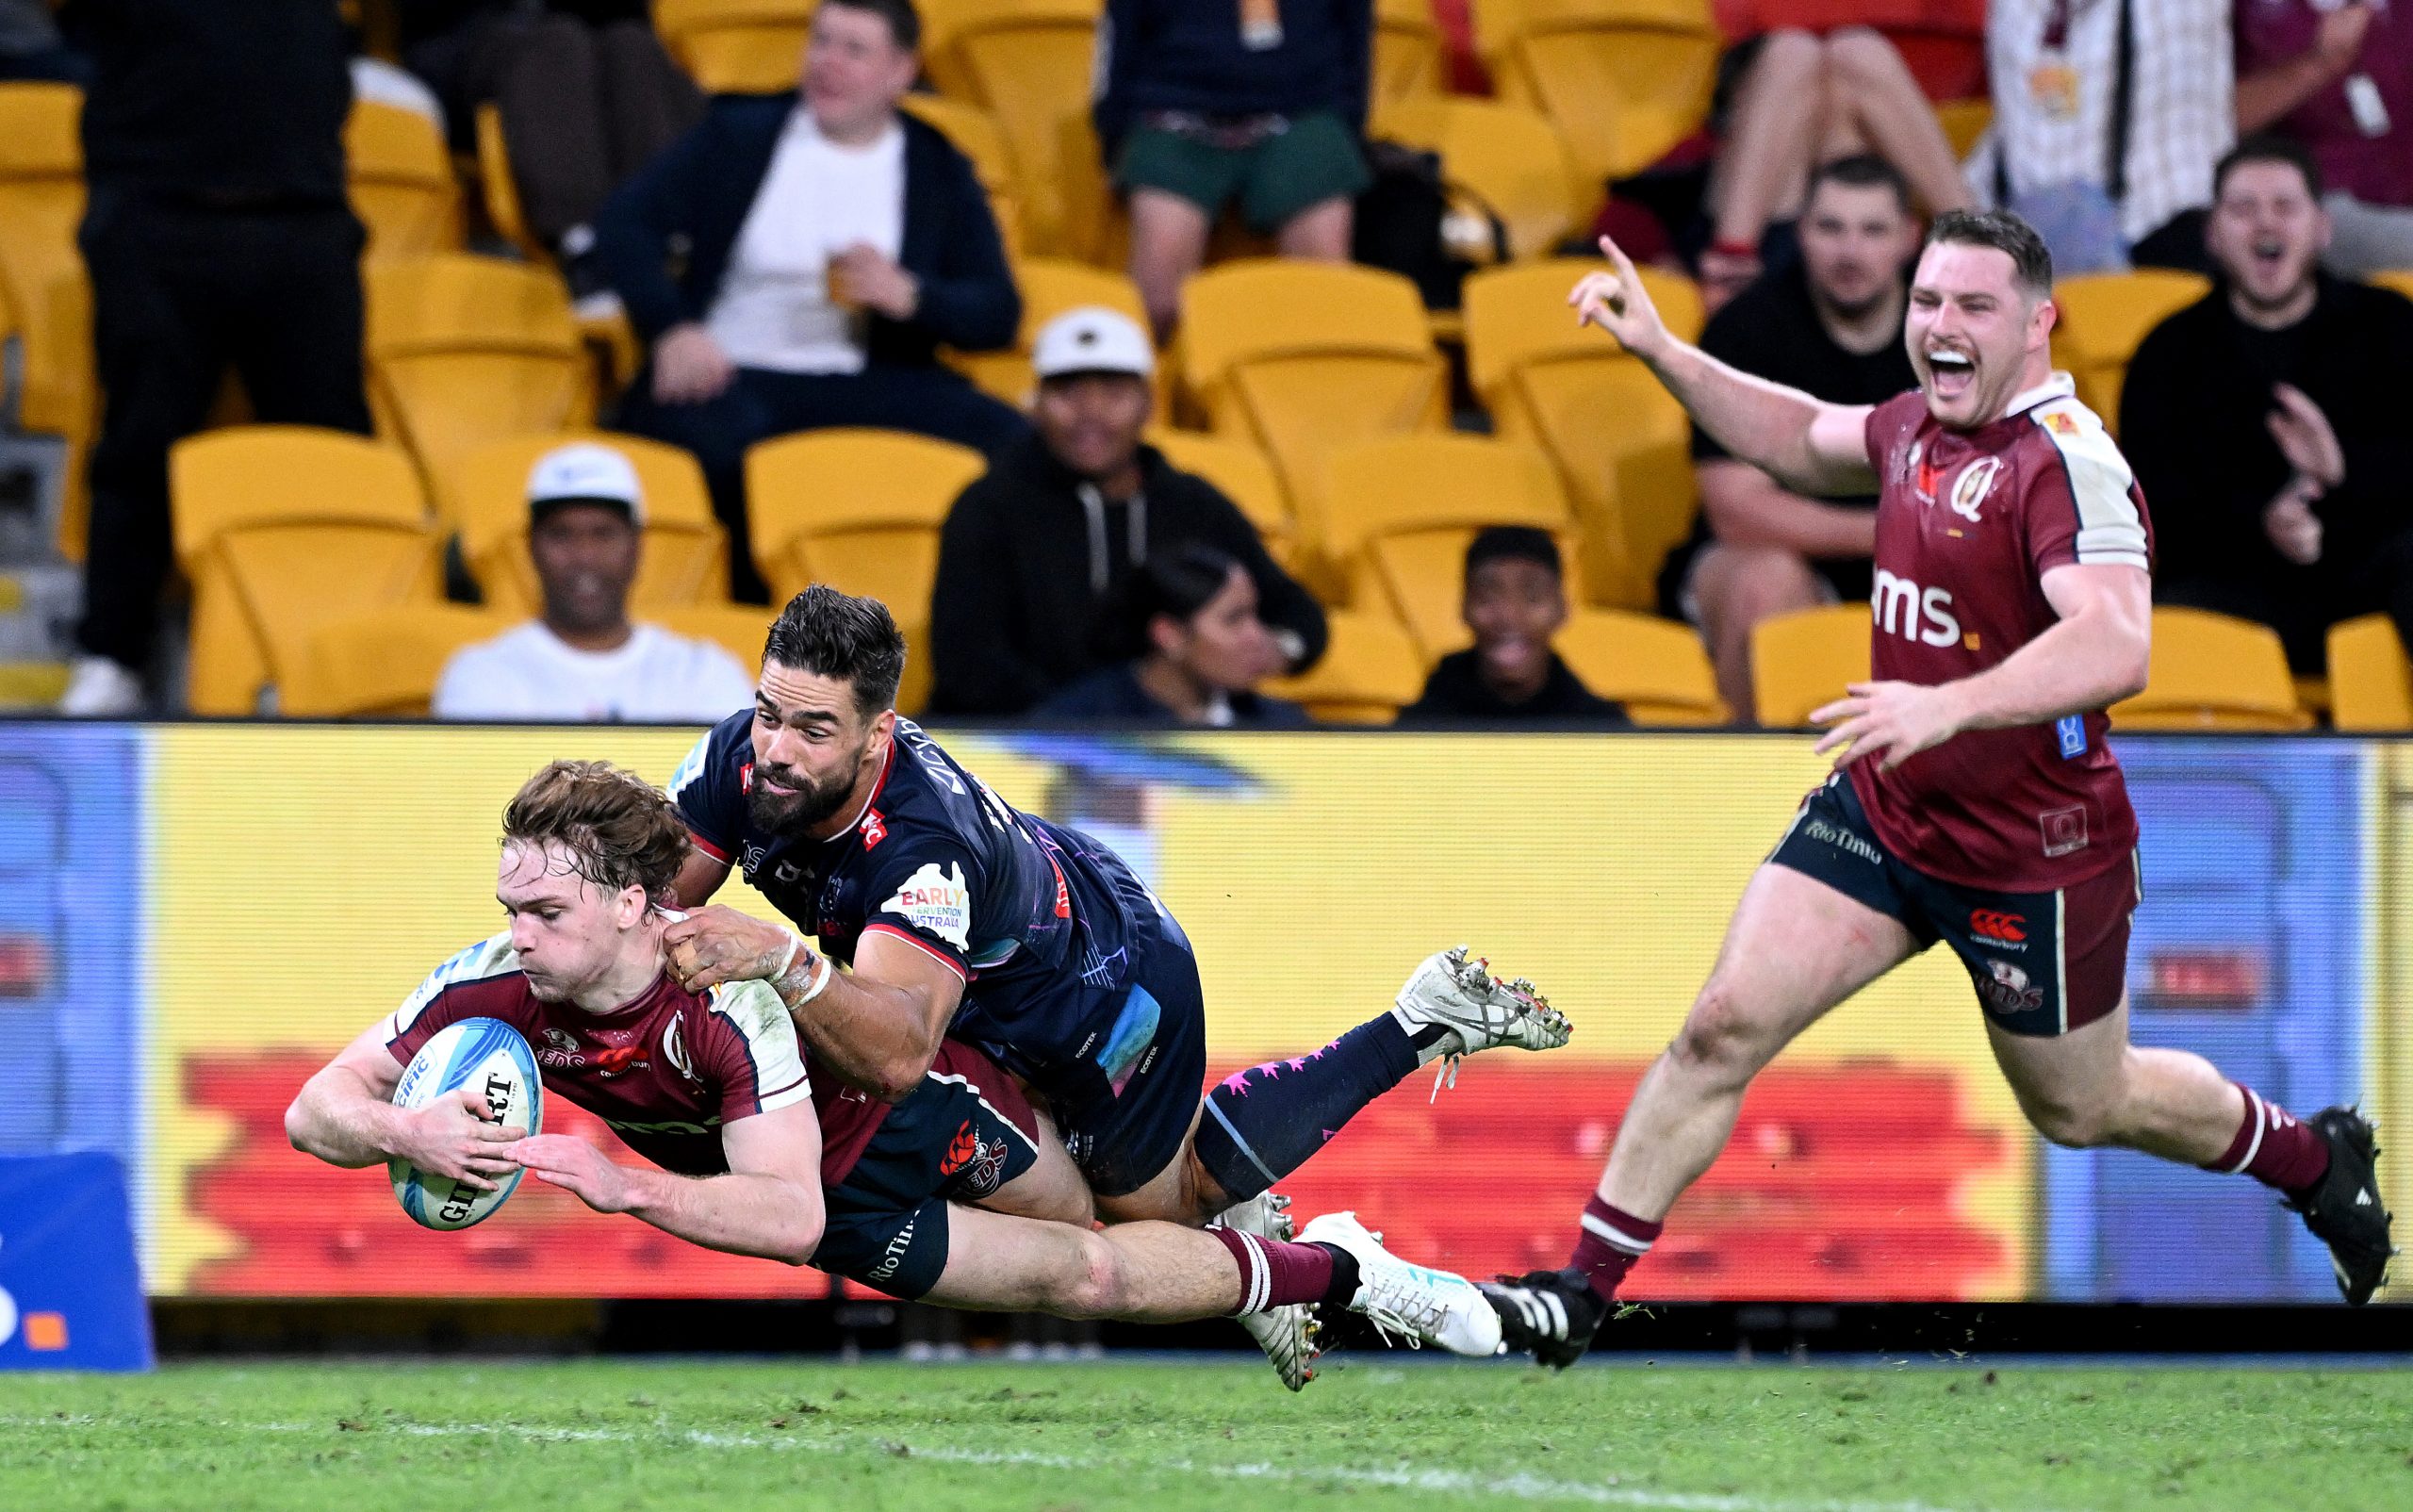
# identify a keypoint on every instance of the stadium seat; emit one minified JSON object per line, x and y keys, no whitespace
{"x":1244,"y":476}
{"x":465,"y":349}
{"x":737,"y":629}
{"x":1964,"y":122}
{"x":281,"y":528}
{"x":41,"y":202}
{"x":1626,"y":80}
{"x":2213,"y":672}
{"x":1399,"y":511}
{"x":2104,"y":318}
{"x":975,"y":134}
{"x":736,"y":46}
{"x":1051,"y":286}
{"x":2370,"y":686}
{"x":1305,"y":356}
{"x":1803,"y":660}
{"x":384,"y":662}
{"x":2399,"y":279}
{"x":686,"y":556}
{"x":858,"y":510}
{"x":1369,"y":672}
{"x":1656,"y":667}
{"x":1030,"y":64}
{"x":1409,"y":57}
{"x":1508,"y":158}
{"x":400,"y":173}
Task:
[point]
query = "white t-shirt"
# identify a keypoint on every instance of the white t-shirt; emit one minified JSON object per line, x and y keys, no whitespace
{"x":531,"y":673}
{"x":817,"y":198}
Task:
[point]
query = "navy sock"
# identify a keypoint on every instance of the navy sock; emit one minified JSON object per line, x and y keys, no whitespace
{"x":1262,"y":1123}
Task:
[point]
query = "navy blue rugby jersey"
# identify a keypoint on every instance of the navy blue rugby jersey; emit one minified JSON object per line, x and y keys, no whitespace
{"x":1039,"y":919}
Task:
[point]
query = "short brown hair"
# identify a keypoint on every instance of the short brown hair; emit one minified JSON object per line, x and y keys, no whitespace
{"x":618,"y":829}
{"x":847,"y":639}
{"x":2031,"y":261}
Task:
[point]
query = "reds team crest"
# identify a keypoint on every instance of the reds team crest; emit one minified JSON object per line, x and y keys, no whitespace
{"x":1969,"y":490}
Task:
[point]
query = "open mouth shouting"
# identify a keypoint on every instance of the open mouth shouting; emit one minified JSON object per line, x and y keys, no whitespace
{"x":1951,"y":372}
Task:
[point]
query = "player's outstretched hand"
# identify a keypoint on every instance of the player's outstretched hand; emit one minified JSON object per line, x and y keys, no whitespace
{"x":576,"y":1167}
{"x":1618,"y":304}
{"x":1892,"y":720}
{"x":718,"y":944}
{"x":456,"y":1136}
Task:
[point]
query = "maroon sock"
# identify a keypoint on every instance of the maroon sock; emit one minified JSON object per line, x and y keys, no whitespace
{"x":1275,"y":1273}
{"x":2274,"y":1148}
{"x":1609,"y":1245}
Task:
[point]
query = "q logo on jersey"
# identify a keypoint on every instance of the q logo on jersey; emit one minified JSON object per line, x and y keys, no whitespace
{"x":1969,"y":490}
{"x":936,"y":902}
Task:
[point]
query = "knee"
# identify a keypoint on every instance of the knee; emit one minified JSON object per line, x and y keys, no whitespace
{"x":1858,"y":53}
{"x":1789,"y":53}
{"x":1721,"y":1036}
{"x":1755,"y":582}
{"x":2072,"y":1123}
{"x":1094,"y":1287}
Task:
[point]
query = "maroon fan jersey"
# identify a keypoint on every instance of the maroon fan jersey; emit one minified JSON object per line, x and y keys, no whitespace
{"x":1968,"y":524}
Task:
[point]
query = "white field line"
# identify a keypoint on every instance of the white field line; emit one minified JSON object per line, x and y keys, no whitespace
{"x":1520,"y":1487}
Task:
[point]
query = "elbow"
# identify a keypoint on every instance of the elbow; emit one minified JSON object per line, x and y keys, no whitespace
{"x":897,"y":1078}
{"x":298,"y":1124}
{"x":800,"y":1246}
{"x":2134,"y":662}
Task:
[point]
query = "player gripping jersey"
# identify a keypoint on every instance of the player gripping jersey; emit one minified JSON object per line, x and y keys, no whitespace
{"x":1974,"y":800}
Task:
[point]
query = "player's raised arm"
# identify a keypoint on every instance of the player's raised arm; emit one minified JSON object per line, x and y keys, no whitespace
{"x":345,"y":1116}
{"x":1811,"y":447}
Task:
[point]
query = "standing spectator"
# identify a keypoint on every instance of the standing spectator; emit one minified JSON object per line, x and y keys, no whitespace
{"x":1184,"y":646}
{"x":2103,"y":187}
{"x":829,"y":246}
{"x":2267,"y":422}
{"x":1033,"y":548}
{"x":1515,"y":600}
{"x":2338,"y":79}
{"x":584,"y":660}
{"x":216,"y":231}
{"x":1831,"y":325}
{"x":1262,"y":101}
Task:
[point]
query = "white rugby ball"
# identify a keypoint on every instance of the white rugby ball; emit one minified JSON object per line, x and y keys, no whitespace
{"x":489,"y":1057}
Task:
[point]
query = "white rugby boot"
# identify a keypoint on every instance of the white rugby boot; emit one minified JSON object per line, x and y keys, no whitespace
{"x":1456,"y":992}
{"x":1410,"y":1302}
{"x":1288,"y":1333}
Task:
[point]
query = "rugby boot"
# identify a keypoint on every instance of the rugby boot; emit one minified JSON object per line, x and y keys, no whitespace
{"x":1452,"y":1007}
{"x":1288,"y":1333}
{"x":1551,"y":1315}
{"x":1410,"y":1301}
{"x":2343,"y":1209}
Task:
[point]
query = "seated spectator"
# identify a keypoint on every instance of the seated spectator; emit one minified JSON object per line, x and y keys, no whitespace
{"x":1200,"y":106}
{"x":1515,"y":600}
{"x":1034,"y":547}
{"x":584,"y":660}
{"x":2340,"y":80}
{"x":2267,"y":422}
{"x":1184,"y":646}
{"x":830,"y":245}
{"x":1831,"y":325}
{"x":2106,"y":188}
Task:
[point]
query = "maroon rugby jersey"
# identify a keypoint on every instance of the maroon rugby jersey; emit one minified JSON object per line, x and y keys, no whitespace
{"x":1968,"y":525}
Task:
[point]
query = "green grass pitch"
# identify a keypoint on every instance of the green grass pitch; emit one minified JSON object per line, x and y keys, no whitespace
{"x":1168,"y":1435}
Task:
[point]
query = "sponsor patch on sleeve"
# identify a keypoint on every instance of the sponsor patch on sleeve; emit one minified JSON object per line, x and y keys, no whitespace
{"x":937,"y":903}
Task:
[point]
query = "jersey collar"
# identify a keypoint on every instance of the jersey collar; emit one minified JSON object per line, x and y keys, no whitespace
{"x":879,"y":783}
{"x":2058,"y":385}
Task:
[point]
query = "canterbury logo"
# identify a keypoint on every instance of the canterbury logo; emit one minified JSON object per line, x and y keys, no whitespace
{"x":960,"y":1150}
{"x":2004,"y":929}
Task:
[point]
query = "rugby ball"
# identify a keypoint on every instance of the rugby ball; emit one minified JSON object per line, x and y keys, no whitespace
{"x":489,"y":1055}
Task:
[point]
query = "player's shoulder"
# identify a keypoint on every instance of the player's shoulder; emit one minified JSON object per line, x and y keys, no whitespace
{"x":753,"y":1009}
{"x":490,"y":961}
{"x":720,"y":754}
{"x":1889,"y":429}
{"x":924,"y":793}
{"x":2061,"y":430}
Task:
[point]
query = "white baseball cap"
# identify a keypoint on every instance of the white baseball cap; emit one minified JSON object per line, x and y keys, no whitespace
{"x":586,"y":473}
{"x":1092,"y":340}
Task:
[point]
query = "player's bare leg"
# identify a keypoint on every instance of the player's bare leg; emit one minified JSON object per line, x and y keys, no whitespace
{"x":1053,"y":1189}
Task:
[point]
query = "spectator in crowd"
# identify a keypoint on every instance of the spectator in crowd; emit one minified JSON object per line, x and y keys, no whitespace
{"x":1829,"y":324}
{"x":2107,"y":187}
{"x":31,"y":48}
{"x":1032,"y":549}
{"x":830,"y":244}
{"x":1798,"y":100}
{"x":584,"y":660}
{"x":2267,"y":421}
{"x":1515,"y":600}
{"x":2338,"y":79}
{"x":586,"y":92}
{"x":216,"y":231}
{"x":1182,"y":645}
{"x":1262,"y":101}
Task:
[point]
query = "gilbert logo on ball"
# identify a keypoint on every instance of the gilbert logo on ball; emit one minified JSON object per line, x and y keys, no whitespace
{"x":490,"y":1058}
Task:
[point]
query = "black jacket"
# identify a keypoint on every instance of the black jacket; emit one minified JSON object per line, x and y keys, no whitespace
{"x":1455,"y":694}
{"x":1027,"y":558}
{"x":1179,"y":55}
{"x":1114,"y":696}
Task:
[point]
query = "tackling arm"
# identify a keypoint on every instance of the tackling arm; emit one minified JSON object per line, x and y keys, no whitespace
{"x":768,"y":1205}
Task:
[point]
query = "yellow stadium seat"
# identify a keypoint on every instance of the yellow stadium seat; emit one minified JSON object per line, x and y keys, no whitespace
{"x":737,"y":629}
{"x":1509,"y":158}
{"x":1964,"y":122}
{"x":1243,"y":475}
{"x":41,"y":202}
{"x":2104,"y":318}
{"x":384,"y":662}
{"x":2370,"y":687}
{"x":685,"y":555}
{"x":1305,"y":356}
{"x":1050,"y":286}
{"x":1030,"y":64}
{"x":466,"y":350}
{"x":1626,"y":80}
{"x":1656,"y":667}
{"x":858,"y":510}
{"x":1408,"y":54}
{"x":2213,"y":672}
{"x":1399,"y":511}
{"x":975,"y":134}
{"x":282,"y":529}
{"x":500,"y":187}
{"x":1369,"y":672}
{"x":401,"y":183}
{"x":2399,"y":279}
{"x":1518,"y":317}
{"x":1803,"y":660}
{"x":736,"y":46}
